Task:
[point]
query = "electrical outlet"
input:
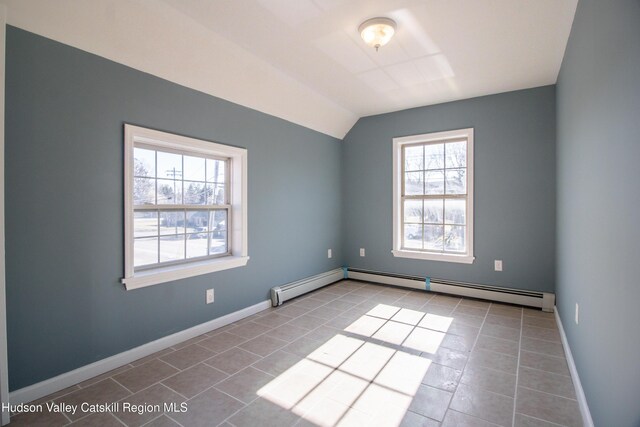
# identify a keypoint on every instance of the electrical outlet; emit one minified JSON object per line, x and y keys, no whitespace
{"x":497,"y":265}
{"x":209,"y":296}
{"x":361,"y":251}
{"x":577,"y":314}
{"x":329,"y":254}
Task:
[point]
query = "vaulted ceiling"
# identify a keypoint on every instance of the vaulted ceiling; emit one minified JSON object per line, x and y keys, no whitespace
{"x":303,"y":60}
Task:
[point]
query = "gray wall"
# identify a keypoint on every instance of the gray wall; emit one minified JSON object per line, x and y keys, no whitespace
{"x":598,"y":203}
{"x":514,"y":188}
{"x":64,"y":206}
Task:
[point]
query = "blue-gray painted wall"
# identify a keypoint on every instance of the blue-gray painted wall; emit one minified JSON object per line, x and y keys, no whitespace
{"x":598,"y":103}
{"x":64,"y":206}
{"x":515,"y":169}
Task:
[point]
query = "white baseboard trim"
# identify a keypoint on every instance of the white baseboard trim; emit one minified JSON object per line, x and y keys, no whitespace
{"x":582,"y":399}
{"x":44,"y":388}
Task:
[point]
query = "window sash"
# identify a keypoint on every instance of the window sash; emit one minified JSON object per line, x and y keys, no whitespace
{"x":444,"y":196}
{"x":403,"y":246}
{"x":150,"y":147}
{"x":184,"y":207}
{"x":158,"y":236}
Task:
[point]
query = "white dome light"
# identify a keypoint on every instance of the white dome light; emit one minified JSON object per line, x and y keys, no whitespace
{"x":377,"y":32}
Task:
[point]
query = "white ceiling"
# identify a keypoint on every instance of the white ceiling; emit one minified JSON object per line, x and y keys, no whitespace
{"x":303,"y":60}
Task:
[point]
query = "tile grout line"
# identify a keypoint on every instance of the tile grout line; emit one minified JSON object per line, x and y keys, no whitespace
{"x":176,"y":391}
{"x":542,"y":339}
{"x":159,"y":382}
{"x":484,"y":319}
{"x":229,"y":376}
{"x":246,"y":405}
{"x":220,"y":391}
{"x":550,"y":394}
{"x":118,"y":418}
{"x":497,"y":352}
{"x":253,"y":367}
{"x":453,"y":310}
{"x":542,"y":354}
{"x":545,"y":371}
{"x":157,"y":418}
{"x":324,"y":322}
{"x":352,"y":354}
{"x":118,"y":382}
{"x":122,"y":422}
{"x":67,"y":417}
{"x":544,"y":421}
{"x":260,"y":370}
{"x":515,"y":396}
{"x":231,"y":396}
{"x":336,"y":369}
{"x":131,"y":393}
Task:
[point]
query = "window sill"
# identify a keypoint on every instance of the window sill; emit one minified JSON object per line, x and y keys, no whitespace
{"x":177,"y":272}
{"x":463,"y":259}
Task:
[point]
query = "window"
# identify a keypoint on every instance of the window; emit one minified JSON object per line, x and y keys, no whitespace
{"x":433,"y":196}
{"x":185,"y":207}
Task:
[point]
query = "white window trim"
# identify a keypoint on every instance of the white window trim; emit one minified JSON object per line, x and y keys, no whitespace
{"x":398,"y":143}
{"x":238,"y":201}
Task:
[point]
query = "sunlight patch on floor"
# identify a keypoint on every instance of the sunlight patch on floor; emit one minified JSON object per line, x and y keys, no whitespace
{"x":348,"y":380}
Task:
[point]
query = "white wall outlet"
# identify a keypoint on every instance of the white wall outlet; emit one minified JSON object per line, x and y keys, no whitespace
{"x":361,"y":251}
{"x":209,"y":296}
{"x":577,"y":314}
{"x":329,"y":254}
{"x":497,"y":265}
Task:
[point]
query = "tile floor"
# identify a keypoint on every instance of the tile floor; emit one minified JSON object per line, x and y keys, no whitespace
{"x":348,"y":354}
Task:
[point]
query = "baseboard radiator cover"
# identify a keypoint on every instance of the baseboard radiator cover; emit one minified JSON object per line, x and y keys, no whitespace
{"x":542,"y":300}
{"x":280,"y":294}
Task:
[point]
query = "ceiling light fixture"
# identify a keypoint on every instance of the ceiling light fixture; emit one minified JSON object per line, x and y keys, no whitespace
{"x":377,"y":32}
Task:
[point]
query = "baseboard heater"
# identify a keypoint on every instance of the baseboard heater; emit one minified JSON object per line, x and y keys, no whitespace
{"x":280,"y":294}
{"x":542,"y":300}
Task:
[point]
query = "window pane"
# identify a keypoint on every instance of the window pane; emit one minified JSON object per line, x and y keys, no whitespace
{"x":172,"y":248}
{"x":413,"y":236}
{"x":455,"y":211}
{"x":145,"y":224}
{"x":145,"y":251}
{"x":434,"y":182}
{"x":169,"y":165}
{"x":197,"y":221}
{"x":215,"y":194}
{"x":143,"y":191}
{"x":434,"y":156}
{"x":433,"y":235}
{"x":218,"y":221}
{"x":456,"y":181}
{"x":414,"y":158}
{"x":433,"y":210}
{"x":218,"y":243}
{"x":413,"y":183}
{"x":194,"y":168}
{"x":169,"y":192}
{"x":413,"y":211}
{"x":454,"y":238}
{"x":456,"y":155}
{"x":196,"y":245}
{"x":216,"y":170}
{"x":172,"y":222}
{"x":144,"y":162}
{"x":194,"y":193}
